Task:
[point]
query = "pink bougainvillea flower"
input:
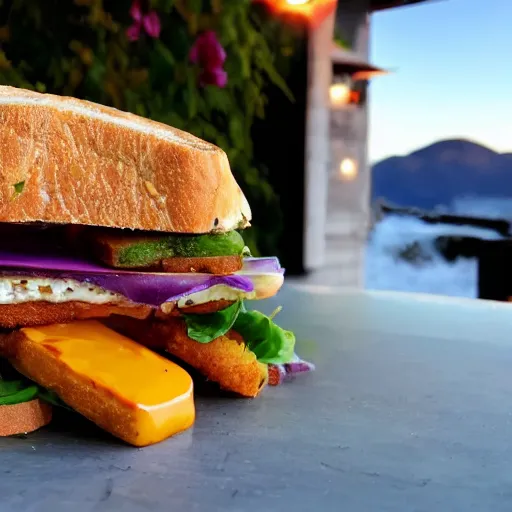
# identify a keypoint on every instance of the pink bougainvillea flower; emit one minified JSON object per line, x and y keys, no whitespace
{"x":207,"y":51}
{"x":209,"y":54}
{"x":133,"y":32}
{"x":216,"y":76}
{"x":149,"y":21}
{"x":136,"y":11}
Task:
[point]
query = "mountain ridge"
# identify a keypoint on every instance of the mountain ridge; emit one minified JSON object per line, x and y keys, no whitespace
{"x":437,"y":174}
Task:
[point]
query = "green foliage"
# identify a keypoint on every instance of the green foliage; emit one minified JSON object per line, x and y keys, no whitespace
{"x":79,"y":48}
{"x":206,"y":328}
{"x":17,"y":392}
{"x":340,"y":39}
{"x":22,"y":390}
{"x":269,"y":342}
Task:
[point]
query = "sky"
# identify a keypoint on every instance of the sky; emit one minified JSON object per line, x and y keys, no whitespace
{"x":452,"y":75}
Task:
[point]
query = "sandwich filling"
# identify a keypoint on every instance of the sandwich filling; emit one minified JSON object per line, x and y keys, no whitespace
{"x":62,"y":264}
{"x":148,"y":252}
{"x":132,"y":274}
{"x":50,"y":269}
{"x":22,"y":289}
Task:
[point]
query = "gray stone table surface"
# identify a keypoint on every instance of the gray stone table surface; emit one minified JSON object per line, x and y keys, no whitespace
{"x":410,"y":409}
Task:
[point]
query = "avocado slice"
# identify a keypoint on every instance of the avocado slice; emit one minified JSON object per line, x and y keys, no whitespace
{"x":121,"y":251}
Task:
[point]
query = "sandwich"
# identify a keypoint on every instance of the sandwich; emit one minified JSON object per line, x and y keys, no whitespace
{"x":121,"y":243}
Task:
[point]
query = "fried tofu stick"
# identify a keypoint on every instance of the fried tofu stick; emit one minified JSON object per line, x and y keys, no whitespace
{"x":225,"y":360}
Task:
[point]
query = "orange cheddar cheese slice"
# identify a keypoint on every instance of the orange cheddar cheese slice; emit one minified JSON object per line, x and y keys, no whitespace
{"x":123,"y":387}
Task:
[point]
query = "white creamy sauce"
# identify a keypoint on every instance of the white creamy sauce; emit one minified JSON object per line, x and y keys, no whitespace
{"x":19,"y":289}
{"x":219,"y":292}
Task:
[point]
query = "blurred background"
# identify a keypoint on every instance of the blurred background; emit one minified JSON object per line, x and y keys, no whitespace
{"x":371,"y":137}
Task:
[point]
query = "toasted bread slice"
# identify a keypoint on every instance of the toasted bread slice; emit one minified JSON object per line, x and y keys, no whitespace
{"x":45,"y":313}
{"x":24,"y":418}
{"x":225,"y":360}
{"x":71,"y":161}
{"x":219,"y":265}
{"x":125,"y":388}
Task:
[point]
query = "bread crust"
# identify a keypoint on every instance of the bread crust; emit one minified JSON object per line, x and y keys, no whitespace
{"x":24,"y":418}
{"x":84,"y":163}
{"x":30,"y":314}
{"x":219,"y":265}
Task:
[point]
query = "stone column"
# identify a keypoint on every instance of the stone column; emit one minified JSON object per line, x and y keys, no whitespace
{"x":348,"y":202}
{"x":317,"y":151}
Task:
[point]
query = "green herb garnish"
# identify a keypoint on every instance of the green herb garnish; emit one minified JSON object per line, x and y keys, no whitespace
{"x":267,"y":340}
{"x":18,"y":187}
{"x":16,"y":392}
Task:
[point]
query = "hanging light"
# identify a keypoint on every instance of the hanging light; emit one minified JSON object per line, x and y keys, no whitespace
{"x":348,"y":169}
{"x":354,"y":72}
{"x":341,"y":91}
{"x":340,"y":94}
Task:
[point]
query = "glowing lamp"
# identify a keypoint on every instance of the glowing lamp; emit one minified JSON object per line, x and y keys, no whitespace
{"x":340,"y":94}
{"x":311,"y":11}
{"x":351,"y":69}
{"x":348,"y":169}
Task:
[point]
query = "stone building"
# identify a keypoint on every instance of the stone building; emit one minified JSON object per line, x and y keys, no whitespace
{"x":326,"y":229}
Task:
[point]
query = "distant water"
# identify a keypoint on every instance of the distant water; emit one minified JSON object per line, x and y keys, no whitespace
{"x":491,"y":208}
{"x":384,"y":271}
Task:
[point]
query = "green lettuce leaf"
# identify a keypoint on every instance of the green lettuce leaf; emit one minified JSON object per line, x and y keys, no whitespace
{"x":16,"y":392}
{"x":270,"y":343}
{"x":205,"y":328}
{"x":267,"y":340}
